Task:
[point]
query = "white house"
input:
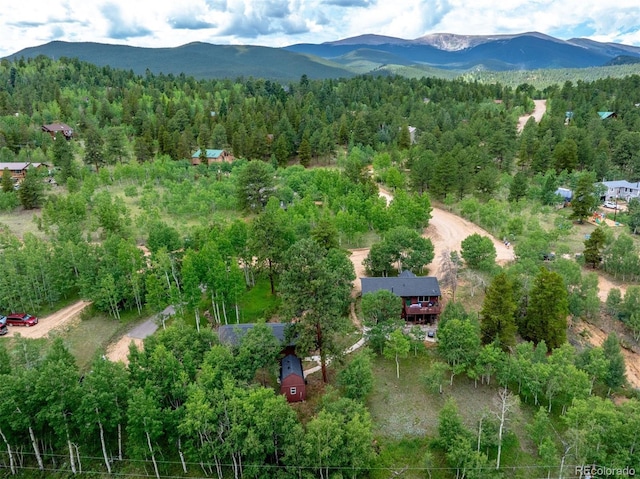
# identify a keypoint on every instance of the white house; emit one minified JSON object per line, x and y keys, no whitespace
{"x":621,"y":190}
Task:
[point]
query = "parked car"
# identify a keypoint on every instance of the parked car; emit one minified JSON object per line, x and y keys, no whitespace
{"x":21,"y":319}
{"x":3,"y":325}
{"x":610,"y":204}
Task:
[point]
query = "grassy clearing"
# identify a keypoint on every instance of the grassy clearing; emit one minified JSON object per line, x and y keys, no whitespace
{"x":405,"y":417}
{"x":404,"y":454}
{"x":87,"y":337}
{"x":258,"y":303}
{"x":20,"y":222}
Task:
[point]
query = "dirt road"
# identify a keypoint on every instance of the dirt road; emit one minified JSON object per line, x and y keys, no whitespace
{"x":539,"y":110}
{"x":119,"y":351}
{"x":446,"y":232}
{"x":62,"y":318}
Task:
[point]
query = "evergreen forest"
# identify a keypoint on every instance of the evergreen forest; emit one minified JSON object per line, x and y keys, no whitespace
{"x":513,"y":385}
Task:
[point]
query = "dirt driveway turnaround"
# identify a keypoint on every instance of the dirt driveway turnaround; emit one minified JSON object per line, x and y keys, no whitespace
{"x":446,"y":231}
{"x":64,"y":317}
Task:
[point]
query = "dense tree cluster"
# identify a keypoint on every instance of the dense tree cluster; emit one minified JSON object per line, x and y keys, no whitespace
{"x":184,"y":403}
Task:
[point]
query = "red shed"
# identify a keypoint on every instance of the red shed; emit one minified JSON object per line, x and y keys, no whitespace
{"x":292,"y":383}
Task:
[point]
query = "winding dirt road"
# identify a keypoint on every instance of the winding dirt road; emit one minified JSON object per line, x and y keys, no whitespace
{"x":446,"y":231}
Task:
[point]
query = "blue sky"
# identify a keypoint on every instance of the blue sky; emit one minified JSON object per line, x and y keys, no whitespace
{"x":163,"y":23}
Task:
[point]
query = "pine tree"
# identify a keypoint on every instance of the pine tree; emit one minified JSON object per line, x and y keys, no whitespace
{"x":143,"y":147}
{"x":404,"y":142}
{"x":305,"y":152}
{"x":518,"y":188}
{"x":498,"y":313}
{"x":616,"y":370}
{"x":584,"y":198}
{"x":593,"y":247}
{"x":63,"y":159}
{"x":31,"y":192}
{"x":7,"y":181}
{"x":546,"y":316}
{"x":93,"y":149}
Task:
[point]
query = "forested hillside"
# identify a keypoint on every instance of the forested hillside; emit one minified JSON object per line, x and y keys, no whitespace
{"x":120,"y":216}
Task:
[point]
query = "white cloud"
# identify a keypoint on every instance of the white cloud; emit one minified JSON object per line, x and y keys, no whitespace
{"x":283,"y":22}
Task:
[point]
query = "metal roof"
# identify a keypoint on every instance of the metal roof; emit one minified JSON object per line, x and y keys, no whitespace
{"x":57,"y":127}
{"x":17,"y":166}
{"x":232,"y":333}
{"x":405,"y":285}
{"x":621,"y":184}
{"x":210,"y":153}
{"x":291,"y":365}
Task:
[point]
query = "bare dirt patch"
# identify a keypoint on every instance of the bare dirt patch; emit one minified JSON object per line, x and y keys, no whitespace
{"x":357,"y":257}
{"x":63,"y":318}
{"x":539,"y":110}
{"x":596,"y":336}
{"x":119,"y":351}
{"x":605,"y":285}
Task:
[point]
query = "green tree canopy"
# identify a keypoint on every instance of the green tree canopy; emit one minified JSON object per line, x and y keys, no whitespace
{"x":31,"y":192}
{"x":547,"y":310}
{"x":497,"y":317}
{"x":381,"y":315}
{"x":316,"y":288}
{"x":479,"y":252}
{"x":584,"y":200}
{"x":254,"y":185}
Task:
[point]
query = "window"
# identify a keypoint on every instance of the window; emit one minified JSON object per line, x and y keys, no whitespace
{"x":292,"y":391}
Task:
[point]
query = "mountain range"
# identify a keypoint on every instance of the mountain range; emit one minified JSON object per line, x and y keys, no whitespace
{"x":454,"y":54}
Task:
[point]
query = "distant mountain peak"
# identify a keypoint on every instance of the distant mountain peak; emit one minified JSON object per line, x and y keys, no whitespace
{"x":452,"y":42}
{"x":350,"y":56}
{"x":369,"y":39}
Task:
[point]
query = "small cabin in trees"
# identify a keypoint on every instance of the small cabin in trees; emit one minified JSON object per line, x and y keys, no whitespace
{"x":604,"y":115}
{"x":58,"y":128}
{"x":421,"y":297}
{"x":232,"y":334}
{"x":19,"y":170}
{"x":213,"y":156}
{"x":292,"y":383}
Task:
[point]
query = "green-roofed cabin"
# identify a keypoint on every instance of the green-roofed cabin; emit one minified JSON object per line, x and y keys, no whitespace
{"x":213,"y":156}
{"x":607,"y":114}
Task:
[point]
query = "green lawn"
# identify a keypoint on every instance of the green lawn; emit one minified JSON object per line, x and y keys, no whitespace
{"x":258,"y":303}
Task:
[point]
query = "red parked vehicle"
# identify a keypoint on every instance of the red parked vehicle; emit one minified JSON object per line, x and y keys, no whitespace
{"x":21,"y":319}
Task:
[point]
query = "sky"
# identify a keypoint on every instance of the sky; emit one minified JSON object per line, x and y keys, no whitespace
{"x":278,"y":23}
